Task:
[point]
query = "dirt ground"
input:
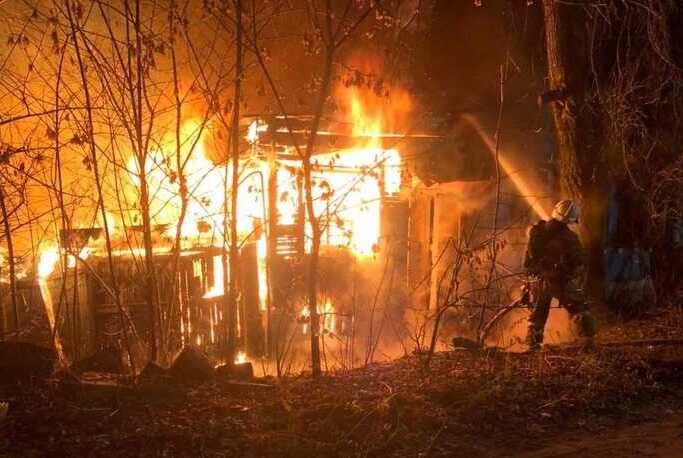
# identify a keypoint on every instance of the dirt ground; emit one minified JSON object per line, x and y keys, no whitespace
{"x":656,"y":432}
{"x":616,"y":401}
{"x":661,"y":437}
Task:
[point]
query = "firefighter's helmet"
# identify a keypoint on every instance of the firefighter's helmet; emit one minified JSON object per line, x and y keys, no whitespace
{"x":567,"y":211}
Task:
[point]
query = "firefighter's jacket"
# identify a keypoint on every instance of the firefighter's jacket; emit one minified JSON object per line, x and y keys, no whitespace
{"x":554,"y":252}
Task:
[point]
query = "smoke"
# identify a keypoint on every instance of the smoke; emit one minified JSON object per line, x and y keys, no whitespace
{"x":510,"y":333}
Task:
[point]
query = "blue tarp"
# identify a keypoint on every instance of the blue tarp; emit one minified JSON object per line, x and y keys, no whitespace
{"x":627,"y":269}
{"x":624,"y":265}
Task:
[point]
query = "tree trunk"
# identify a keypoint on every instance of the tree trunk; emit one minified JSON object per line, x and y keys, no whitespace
{"x":152,"y":288}
{"x":272,"y":244}
{"x":564,"y":112}
{"x":123,"y":318}
{"x":10,"y":260}
{"x":312,"y":277}
{"x":582,"y":171}
{"x":173,"y":300}
{"x":234,"y":191}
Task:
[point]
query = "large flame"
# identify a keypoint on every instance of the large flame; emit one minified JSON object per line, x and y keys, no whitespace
{"x":350,"y":183}
{"x":349,"y":186}
{"x":207,"y":186}
{"x":49,"y":257}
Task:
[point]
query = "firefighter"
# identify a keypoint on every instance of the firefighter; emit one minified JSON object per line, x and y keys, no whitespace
{"x":555,"y":260}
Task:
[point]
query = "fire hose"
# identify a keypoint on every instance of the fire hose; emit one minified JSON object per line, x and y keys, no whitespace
{"x":524,"y":301}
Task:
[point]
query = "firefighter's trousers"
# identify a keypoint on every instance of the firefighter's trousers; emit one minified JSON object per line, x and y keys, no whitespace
{"x":571,"y":297}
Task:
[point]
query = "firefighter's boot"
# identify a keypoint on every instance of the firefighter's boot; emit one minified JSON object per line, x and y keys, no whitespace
{"x":534,"y":338}
{"x":585,"y":326}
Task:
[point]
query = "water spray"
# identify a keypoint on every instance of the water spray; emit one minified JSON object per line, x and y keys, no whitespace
{"x":519,"y":182}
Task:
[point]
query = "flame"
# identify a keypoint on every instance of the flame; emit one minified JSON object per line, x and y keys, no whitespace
{"x":350,"y":186}
{"x":305,"y":318}
{"x":213,"y":313}
{"x":357,"y":179}
{"x":111,"y":222}
{"x":287,"y":203}
{"x":49,"y":257}
{"x":262,"y":264}
{"x":82,"y":255}
{"x":329,"y":317}
{"x":364,"y":124}
{"x":205,"y":184}
{"x":254,"y":129}
{"x":327,"y":313}
{"x":351,"y":183}
{"x":217,"y":289}
{"x":241,"y":357}
{"x":355,"y":206}
{"x":375,"y":105}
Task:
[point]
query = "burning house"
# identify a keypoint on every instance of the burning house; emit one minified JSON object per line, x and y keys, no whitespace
{"x":394,"y":205}
{"x":311,"y":227}
{"x":391,"y":209}
{"x":135,"y":240}
{"x":358,"y":186}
